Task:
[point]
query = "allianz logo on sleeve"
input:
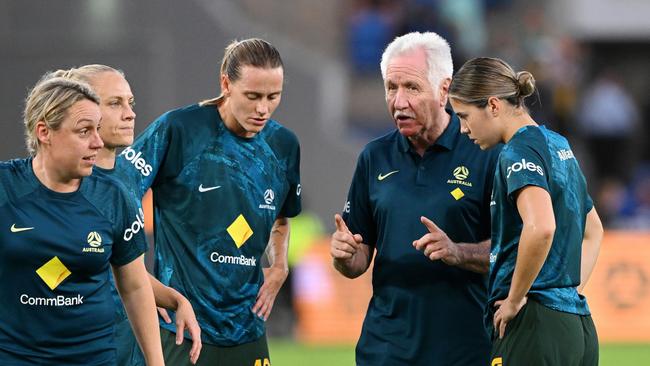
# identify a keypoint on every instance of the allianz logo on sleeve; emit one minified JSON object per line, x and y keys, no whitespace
{"x":565,"y":154}
{"x":523,"y":164}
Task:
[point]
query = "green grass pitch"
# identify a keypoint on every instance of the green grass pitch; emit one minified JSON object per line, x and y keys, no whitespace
{"x":289,"y":353}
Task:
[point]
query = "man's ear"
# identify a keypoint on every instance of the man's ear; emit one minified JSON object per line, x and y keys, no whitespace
{"x":444,"y":91}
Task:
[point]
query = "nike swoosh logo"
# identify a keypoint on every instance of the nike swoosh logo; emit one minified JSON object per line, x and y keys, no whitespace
{"x":382,"y":177}
{"x":15,"y":229}
{"x":206,"y":189}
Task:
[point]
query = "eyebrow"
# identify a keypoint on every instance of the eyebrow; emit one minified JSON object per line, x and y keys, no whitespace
{"x":261,"y":93}
{"x":86,"y":121}
{"x":120,"y":97}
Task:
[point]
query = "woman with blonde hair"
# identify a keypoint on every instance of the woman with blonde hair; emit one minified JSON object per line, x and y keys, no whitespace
{"x":117,"y":105}
{"x":63,"y":238}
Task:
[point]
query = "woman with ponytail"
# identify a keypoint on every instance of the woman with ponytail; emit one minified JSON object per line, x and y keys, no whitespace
{"x":545,"y":230}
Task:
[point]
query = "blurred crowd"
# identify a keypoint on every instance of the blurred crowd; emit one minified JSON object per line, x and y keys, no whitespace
{"x":577,"y":97}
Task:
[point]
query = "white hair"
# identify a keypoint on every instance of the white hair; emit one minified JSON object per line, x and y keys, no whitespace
{"x":436,"y":48}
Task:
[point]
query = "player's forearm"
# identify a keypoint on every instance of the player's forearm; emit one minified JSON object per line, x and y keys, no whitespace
{"x":141,"y":309}
{"x":534,"y":245}
{"x":475,"y":257}
{"x":590,"y":247}
{"x":278,"y":247}
{"x":135,"y":290}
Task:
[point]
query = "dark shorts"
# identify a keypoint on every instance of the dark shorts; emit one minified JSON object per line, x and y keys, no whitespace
{"x":255,"y":353}
{"x":540,"y":336}
{"x":128,"y":350}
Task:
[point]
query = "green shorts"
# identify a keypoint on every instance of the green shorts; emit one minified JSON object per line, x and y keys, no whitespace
{"x":128,"y":350}
{"x":255,"y":353}
{"x":540,"y":336}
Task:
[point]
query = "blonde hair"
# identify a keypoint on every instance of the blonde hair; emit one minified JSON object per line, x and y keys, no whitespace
{"x":85,"y":73}
{"x":254,"y":52}
{"x":435,"y":47}
{"x":49,"y":102}
{"x":484,"y":77}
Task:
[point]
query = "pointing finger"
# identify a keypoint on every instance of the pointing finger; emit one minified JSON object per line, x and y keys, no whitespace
{"x":433,"y":228}
{"x":340,"y":224}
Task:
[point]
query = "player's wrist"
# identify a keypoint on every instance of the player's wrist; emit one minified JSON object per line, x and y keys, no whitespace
{"x":281,"y":268}
{"x":179,"y":300}
{"x":345,"y":266}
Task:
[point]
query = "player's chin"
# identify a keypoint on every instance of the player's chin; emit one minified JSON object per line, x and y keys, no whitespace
{"x":485,"y":145}
{"x":127,"y":136}
{"x":84,"y":171}
{"x":253,"y":129}
{"x":125,"y":140}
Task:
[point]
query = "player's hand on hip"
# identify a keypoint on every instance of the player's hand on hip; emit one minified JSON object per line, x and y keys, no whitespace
{"x":186,"y":320}
{"x":274,"y":277}
{"x":343,"y":244}
{"x":436,"y":245}
{"x":507,"y":309}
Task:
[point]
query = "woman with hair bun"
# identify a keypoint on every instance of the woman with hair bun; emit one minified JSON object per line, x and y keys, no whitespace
{"x":546,"y":232}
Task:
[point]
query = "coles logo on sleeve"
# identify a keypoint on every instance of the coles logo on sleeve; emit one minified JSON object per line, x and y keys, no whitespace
{"x":135,"y":227}
{"x":523,"y":164}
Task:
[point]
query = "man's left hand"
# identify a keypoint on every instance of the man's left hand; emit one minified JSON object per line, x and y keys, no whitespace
{"x":273,"y":279}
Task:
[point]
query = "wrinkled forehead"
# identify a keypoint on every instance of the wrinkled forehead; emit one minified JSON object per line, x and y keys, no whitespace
{"x":83,"y":112}
{"x":413,"y":58}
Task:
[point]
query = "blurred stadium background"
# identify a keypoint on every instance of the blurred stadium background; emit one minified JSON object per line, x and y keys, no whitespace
{"x":590,"y":57}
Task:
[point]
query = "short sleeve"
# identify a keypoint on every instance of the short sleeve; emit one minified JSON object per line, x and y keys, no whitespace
{"x":138,"y":165}
{"x":492,"y":161}
{"x":522,"y":166}
{"x":357,"y":212}
{"x":292,"y":204}
{"x":589,"y":203}
{"x":130,"y":239}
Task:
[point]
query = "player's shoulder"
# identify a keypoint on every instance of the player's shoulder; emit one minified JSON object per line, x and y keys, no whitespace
{"x":279,"y":131}
{"x":14,"y":166}
{"x":110,"y":177}
{"x":14,"y":178}
{"x":17,"y":173}
{"x":100,"y":189}
{"x":188,"y":112}
{"x":280,"y":137}
{"x":527,"y":138}
{"x":183,"y":118}
{"x":553,"y":138}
